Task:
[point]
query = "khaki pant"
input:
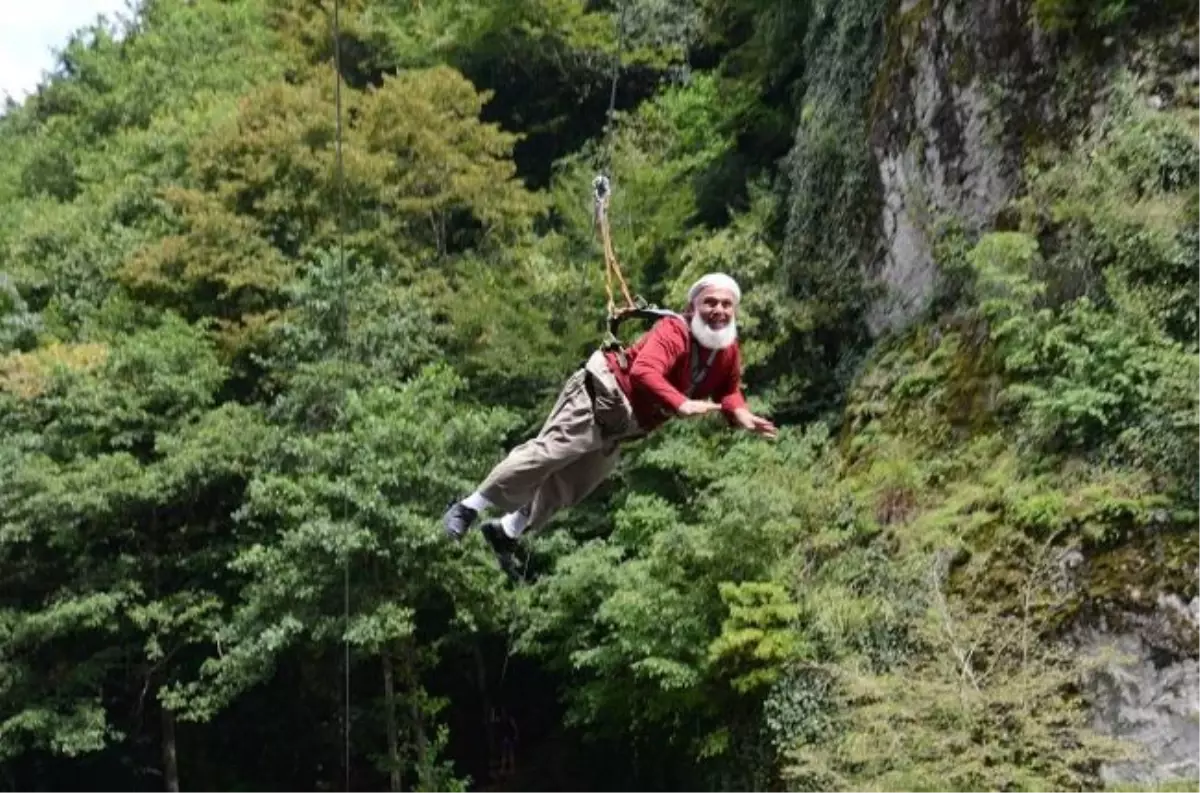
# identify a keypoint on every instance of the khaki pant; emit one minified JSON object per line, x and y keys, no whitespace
{"x":577,"y":448}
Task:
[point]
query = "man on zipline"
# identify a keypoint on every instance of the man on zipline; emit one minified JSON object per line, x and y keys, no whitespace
{"x":686,"y":365}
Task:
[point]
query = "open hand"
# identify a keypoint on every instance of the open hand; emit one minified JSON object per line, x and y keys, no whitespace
{"x":756,"y":424}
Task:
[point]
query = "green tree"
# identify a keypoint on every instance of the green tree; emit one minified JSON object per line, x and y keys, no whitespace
{"x":121,"y":477}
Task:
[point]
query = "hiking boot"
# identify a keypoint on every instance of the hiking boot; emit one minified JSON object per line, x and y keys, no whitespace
{"x":458,"y":520}
{"x":503,"y":546}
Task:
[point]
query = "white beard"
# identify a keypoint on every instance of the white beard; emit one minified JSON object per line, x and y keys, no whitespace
{"x":712,"y":338}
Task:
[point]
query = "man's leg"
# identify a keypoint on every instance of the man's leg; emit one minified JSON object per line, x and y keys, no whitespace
{"x":569,"y":432}
{"x":565,"y":488}
{"x":613,"y":417}
{"x":571,"y":484}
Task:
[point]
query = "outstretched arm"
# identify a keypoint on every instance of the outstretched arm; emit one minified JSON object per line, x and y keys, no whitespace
{"x":734,"y":406}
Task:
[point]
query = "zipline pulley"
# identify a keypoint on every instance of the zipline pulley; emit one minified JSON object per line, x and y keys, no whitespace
{"x":601,"y":192}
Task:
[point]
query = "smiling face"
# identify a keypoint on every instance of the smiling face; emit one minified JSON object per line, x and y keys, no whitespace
{"x":716,"y":307}
{"x":714,"y":322}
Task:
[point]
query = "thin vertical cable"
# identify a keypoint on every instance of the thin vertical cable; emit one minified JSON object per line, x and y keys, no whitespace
{"x":337,"y":98}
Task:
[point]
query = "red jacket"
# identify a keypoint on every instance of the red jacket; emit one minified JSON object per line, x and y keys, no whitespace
{"x":660,"y":371}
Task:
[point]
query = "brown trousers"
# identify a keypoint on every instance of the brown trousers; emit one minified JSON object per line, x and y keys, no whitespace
{"x":577,"y":448}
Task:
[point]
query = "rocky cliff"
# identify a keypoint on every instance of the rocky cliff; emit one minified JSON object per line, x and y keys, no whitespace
{"x":965,"y":91}
{"x":1148,"y":687}
{"x":956,"y":80}
{"x":965,"y":88}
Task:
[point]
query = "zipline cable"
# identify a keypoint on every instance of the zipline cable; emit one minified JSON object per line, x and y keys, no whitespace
{"x":612,"y":93}
{"x":337,"y":100}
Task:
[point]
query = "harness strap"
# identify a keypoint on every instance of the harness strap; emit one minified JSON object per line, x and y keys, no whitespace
{"x":699,"y":372}
{"x":612,"y":342}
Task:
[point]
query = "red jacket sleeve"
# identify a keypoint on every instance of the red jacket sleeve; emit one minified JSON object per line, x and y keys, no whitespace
{"x":662,"y":348}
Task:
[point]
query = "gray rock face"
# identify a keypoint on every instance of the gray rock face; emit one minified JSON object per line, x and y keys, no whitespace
{"x":1148,"y":693}
{"x":954,"y":73}
{"x":962,"y":84}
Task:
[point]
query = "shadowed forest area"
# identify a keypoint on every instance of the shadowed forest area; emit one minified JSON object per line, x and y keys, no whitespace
{"x":239,"y":385}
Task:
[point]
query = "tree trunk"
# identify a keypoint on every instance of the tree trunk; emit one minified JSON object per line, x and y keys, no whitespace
{"x":389,"y":707}
{"x":486,"y":700}
{"x":411,"y":683}
{"x":170,"y":763}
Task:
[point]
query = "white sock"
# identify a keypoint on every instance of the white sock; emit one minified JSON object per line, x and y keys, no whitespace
{"x":514,"y":523}
{"x":476,"y":501}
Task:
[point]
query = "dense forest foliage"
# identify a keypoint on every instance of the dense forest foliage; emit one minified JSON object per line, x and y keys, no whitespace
{"x":243,"y":370}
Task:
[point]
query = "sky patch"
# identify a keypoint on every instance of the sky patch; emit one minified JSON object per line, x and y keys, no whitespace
{"x":35,"y":30}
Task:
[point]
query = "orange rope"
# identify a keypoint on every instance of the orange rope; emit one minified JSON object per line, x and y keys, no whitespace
{"x":610,"y":257}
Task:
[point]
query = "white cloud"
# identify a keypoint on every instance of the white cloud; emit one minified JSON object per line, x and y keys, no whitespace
{"x":31,"y":30}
